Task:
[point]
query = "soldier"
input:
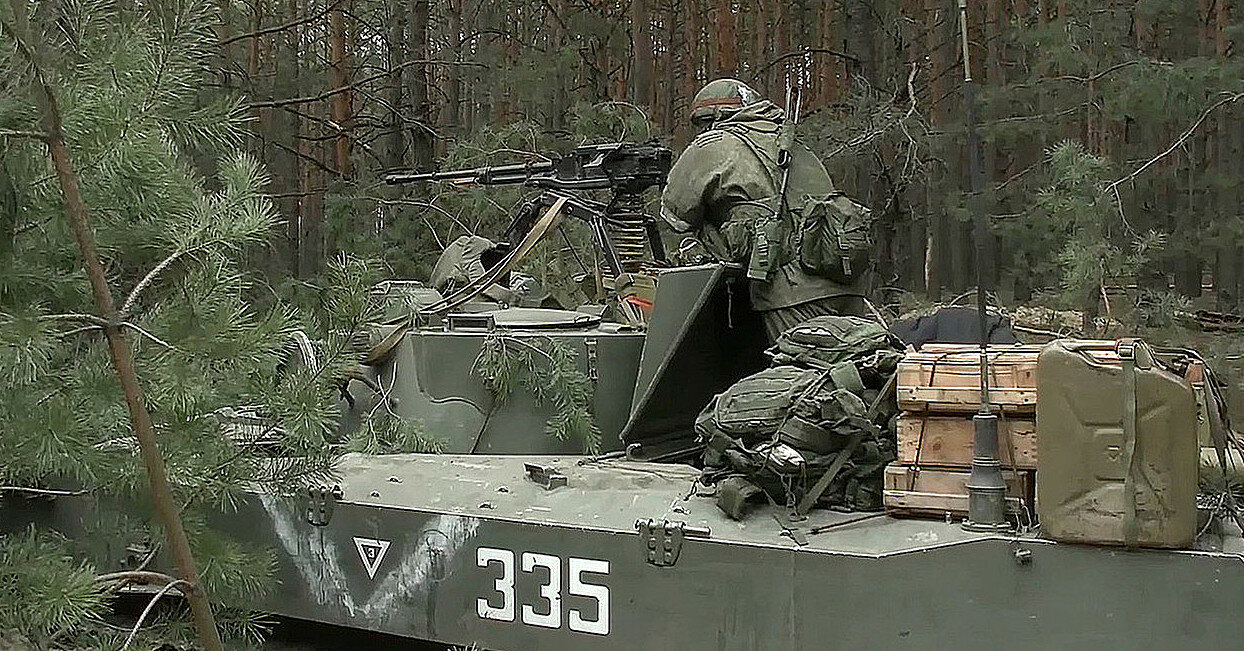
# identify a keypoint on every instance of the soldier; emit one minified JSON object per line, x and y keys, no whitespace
{"x":725,"y":187}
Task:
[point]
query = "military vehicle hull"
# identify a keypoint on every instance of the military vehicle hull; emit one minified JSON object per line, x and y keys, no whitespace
{"x":476,"y":550}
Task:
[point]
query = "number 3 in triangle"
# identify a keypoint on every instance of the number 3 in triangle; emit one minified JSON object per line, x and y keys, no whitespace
{"x":371,"y":551}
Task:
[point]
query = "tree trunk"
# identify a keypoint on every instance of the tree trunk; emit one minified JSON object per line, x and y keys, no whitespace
{"x":725,"y":62}
{"x":339,"y":78}
{"x":672,"y":81}
{"x":452,"y":117}
{"x":760,"y":47}
{"x":287,"y":169}
{"x":641,"y":42}
{"x":781,"y":22}
{"x":397,"y":121}
{"x":561,"y":95}
{"x":421,"y":135}
{"x":827,"y":66}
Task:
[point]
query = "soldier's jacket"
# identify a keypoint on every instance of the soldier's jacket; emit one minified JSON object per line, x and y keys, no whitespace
{"x":727,"y":178}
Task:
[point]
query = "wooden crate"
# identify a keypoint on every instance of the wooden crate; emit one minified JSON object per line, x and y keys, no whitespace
{"x":926,"y":492}
{"x":945,"y":378}
{"x":946,"y":441}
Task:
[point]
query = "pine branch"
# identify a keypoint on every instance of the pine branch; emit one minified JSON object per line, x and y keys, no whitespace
{"x":121,"y":353}
{"x":11,"y":133}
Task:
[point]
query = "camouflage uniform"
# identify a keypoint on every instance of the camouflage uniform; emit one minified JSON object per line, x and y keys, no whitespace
{"x":726,"y":180}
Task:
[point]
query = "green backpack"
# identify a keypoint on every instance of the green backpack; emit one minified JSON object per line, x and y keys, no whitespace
{"x":753,"y":408}
{"x":831,"y":236}
{"x":829,"y":341}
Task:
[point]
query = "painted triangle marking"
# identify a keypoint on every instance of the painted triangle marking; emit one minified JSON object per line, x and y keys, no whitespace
{"x":371,"y":552}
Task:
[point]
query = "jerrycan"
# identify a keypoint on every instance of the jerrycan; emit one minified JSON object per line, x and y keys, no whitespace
{"x":1117,"y":446}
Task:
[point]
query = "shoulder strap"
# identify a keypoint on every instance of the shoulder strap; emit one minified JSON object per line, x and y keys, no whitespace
{"x":810,"y":498}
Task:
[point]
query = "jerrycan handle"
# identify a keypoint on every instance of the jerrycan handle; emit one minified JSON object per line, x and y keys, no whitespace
{"x":1130,"y":352}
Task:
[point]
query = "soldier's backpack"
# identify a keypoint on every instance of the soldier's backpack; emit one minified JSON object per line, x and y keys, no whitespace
{"x":828,"y":341}
{"x":831,"y":236}
{"x":752,"y":409}
{"x":779,"y":431}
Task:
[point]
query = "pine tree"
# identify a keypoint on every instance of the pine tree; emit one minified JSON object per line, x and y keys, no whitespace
{"x":241,"y":390}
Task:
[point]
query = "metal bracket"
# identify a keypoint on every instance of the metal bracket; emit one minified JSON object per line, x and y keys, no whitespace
{"x":662,"y":539}
{"x":471,"y":321}
{"x":593,"y":372}
{"x":546,"y":476}
{"x":322,"y":500}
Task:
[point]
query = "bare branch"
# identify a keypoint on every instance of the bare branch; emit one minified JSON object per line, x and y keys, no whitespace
{"x":366,"y":80}
{"x":280,"y":28}
{"x":147,"y":611}
{"x":88,"y":318}
{"x":803,"y":52}
{"x":148,"y":335}
{"x":132,"y":299}
{"x":132,"y":576}
{"x":42,"y":491}
{"x":1179,"y":142}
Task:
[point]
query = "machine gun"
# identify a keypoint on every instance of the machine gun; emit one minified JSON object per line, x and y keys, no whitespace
{"x":619,"y":226}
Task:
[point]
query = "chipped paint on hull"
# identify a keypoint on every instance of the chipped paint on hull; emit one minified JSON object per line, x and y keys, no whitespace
{"x":407,"y":576}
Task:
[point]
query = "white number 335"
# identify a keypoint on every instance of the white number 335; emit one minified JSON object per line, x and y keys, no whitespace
{"x":548,"y":612}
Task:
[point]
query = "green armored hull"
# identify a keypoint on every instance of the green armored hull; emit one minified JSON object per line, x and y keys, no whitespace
{"x":616,"y":555}
{"x":558,"y":551}
{"x":481,"y":550}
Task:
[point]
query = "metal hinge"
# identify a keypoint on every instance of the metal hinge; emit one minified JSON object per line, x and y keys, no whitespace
{"x":662,"y":539}
{"x":593,"y":372}
{"x":546,"y":476}
{"x":321,"y":502}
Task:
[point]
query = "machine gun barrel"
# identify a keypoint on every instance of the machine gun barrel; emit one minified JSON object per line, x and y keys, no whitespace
{"x":512,"y":174}
{"x":618,"y":226}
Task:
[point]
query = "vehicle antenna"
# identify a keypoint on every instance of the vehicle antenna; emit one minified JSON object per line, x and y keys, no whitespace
{"x":986,"y":487}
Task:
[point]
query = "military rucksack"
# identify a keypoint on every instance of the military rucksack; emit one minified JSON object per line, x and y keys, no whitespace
{"x":780,"y":430}
{"x":753,"y":408}
{"x":828,"y":341}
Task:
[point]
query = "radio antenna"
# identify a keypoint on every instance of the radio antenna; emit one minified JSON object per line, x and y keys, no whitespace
{"x":986,"y":487}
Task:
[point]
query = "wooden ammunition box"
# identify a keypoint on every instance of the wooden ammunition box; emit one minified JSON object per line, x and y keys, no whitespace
{"x":945,"y":441}
{"x":945,"y":378}
{"x":912,"y":491}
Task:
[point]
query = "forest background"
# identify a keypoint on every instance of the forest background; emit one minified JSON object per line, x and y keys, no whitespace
{"x":341,"y":90}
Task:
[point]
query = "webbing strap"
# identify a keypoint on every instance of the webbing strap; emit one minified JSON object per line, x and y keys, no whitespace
{"x":1127,"y":353}
{"x":809,"y":500}
{"x":474,"y":288}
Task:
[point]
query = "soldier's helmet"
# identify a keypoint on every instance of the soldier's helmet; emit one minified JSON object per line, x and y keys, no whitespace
{"x":719,"y":99}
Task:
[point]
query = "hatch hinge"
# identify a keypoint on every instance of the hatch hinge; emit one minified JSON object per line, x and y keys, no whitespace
{"x":546,"y":476}
{"x":321,"y":502}
{"x":593,"y":366}
{"x":662,"y":539}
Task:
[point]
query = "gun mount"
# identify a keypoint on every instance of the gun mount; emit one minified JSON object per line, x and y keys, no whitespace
{"x":619,"y":226}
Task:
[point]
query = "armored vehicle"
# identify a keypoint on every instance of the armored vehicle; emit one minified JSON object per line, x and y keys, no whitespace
{"x":517,"y":539}
{"x":625,"y":549}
